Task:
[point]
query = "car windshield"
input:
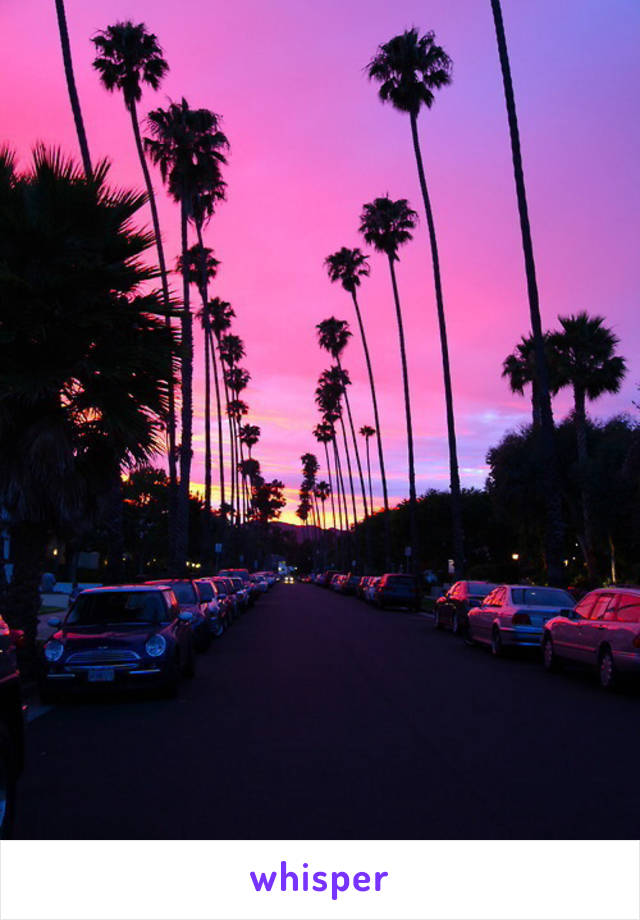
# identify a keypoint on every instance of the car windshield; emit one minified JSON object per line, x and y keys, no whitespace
{"x":117,"y":608}
{"x":479,"y":588}
{"x":541,"y":597}
{"x":184,"y":591}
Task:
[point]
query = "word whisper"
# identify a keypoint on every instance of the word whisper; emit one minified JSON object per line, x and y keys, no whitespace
{"x":335,"y":882}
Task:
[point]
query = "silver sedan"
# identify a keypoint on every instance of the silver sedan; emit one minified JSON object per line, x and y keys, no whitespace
{"x":515,"y":615}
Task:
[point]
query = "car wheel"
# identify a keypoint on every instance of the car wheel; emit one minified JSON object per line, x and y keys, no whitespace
{"x":497,"y":647}
{"x":606,"y":669}
{"x":436,"y":619}
{"x":7,"y":786}
{"x":549,"y":657}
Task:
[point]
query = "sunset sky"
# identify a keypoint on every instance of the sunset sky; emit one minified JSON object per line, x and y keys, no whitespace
{"x":310,"y":143}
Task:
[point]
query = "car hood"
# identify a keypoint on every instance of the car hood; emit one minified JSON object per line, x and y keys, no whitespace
{"x":100,"y":636}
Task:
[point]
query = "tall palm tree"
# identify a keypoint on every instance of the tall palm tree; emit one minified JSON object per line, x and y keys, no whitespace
{"x":336,"y":381}
{"x":231,"y":350}
{"x":368,"y":432}
{"x":129,"y":56}
{"x":195,"y":257}
{"x":333,"y":336}
{"x":324,"y":434}
{"x":328,"y":401}
{"x":72,"y":89}
{"x":520,"y":369}
{"x":386,"y":225}
{"x":409,"y":69}
{"x":249,"y":436}
{"x":322,"y":492}
{"x":220,"y":315}
{"x":589,"y":365}
{"x":554,"y":536}
{"x":188,"y":146}
{"x":237,"y":380}
{"x":349,"y":266}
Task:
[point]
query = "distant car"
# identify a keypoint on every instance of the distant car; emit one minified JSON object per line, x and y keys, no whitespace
{"x":11,"y":727}
{"x":226,"y":599}
{"x":452,"y":609}
{"x":515,"y":615}
{"x":603,"y":632}
{"x":289,"y":580}
{"x":362,"y":585}
{"x":398,"y":590}
{"x":260,"y":583}
{"x":350,"y":584}
{"x":336,"y":581}
{"x":370,"y":590}
{"x":186,"y":590}
{"x":124,"y":637}
{"x":241,"y":591}
{"x":209,"y":596}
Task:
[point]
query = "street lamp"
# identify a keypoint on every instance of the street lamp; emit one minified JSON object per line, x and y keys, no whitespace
{"x":515,"y":556}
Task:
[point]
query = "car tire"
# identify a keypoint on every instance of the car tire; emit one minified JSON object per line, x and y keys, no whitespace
{"x":7,"y":785}
{"x":606,"y":669}
{"x":497,"y":647}
{"x":550,"y":660}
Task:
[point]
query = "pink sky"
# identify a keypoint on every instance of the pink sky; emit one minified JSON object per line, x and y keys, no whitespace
{"x":311,"y":143}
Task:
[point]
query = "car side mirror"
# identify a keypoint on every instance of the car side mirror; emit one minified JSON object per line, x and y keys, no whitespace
{"x":185,"y":616}
{"x":56,"y":622}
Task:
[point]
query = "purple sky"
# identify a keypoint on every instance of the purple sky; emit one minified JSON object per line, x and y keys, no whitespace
{"x":311,"y":143}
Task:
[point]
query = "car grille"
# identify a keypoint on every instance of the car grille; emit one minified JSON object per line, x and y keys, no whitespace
{"x":102,"y":656}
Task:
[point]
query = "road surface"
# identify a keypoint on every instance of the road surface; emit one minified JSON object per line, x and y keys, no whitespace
{"x":317,"y":716}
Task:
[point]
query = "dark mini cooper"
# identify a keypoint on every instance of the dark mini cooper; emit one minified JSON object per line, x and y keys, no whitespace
{"x":129,"y":636}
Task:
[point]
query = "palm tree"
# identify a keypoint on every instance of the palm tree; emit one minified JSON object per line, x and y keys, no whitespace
{"x":237,"y":379}
{"x":368,"y":432}
{"x":220,"y":315}
{"x":520,"y":369}
{"x":249,"y":436}
{"x":409,"y":69}
{"x":322,"y":492}
{"x":231,"y":350}
{"x":588,"y":364}
{"x":336,"y":381}
{"x":386,"y":225}
{"x":324,"y":434}
{"x":72,"y":90}
{"x":187,"y":145}
{"x":84,"y":362}
{"x":554,"y":536}
{"x":333,"y":335}
{"x":328,"y":401}
{"x":128,"y":56}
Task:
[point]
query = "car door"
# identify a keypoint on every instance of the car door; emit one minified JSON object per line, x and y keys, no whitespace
{"x":481,"y":621}
{"x":445,"y":609}
{"x":565,"y":630}
{"x":590,"y":631}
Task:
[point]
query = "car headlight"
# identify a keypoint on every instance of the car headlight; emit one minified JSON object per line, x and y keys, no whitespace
{"x":53,"y":650}
{"x":155,"y":646}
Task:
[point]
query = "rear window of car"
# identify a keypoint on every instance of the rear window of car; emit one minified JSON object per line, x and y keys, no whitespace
{"x":480,"y":589}
{"x":117,"y":608}
{"x":205,"y":590}
{"x":184,"y":591}
{"x":541,"y":597}
{"x":628,"y":610}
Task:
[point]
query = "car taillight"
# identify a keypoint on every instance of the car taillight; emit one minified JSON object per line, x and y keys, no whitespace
{"x":521,"y":619}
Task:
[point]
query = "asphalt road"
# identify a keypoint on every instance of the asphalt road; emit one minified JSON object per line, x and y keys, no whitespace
{"x":317,"y":716}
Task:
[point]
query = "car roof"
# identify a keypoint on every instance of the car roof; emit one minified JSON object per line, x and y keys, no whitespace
{"x":115,"y":589}
{"x":619,"y":589}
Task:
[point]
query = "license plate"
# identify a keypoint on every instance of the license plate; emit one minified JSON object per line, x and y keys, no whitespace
{"x":99,"y":674}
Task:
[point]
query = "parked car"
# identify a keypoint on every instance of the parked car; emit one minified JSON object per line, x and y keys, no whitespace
{"x":515,"y":615}
{"x":361,"y":586}
{"x":603,"y":632}
{"x":209,"y":595}
{"x":398,"y":590}
{"x":186,"y":590}
{"x":226,"y":599}
{"x":370,"y":590}
{"x":241,"y":593}
{"x":127,"y":637}
{"x":260,"y":583}
{"x":336,"y":581}
{"x":452,"y":608}
{"x":350,"y":584}
{"x":11,"y":727}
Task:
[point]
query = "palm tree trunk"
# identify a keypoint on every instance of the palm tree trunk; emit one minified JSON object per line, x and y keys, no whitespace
{"x":214,"y":362}
{"x":413,"y":530}
{"x":454,"y":473}
{"x":369,"y":473}
{"x":554,"y":535}
{"x":171,"y":420}
{"x":73,"y":92}
{"x":333,"y":507}
{"x":344,"y":516}
{"x":374,"y":399}
{"x":186,"y":361}
{"x":355,"y":446}
{"x":580,"y":419}
{"x":349,"y":471}
{"x":204,"y":296}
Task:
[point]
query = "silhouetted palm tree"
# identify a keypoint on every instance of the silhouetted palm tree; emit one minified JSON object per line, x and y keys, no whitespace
{"x":336,"y":381}
{"x":324,"y":434}
{"x":520,"y":369}
{"x":128,"y":56}
{"x":409,"y":69}
{"x":333,"y":335}
{"x":587,"y":362}
{"x":368,"y":432}
{"x":220,"y":316}
{"x":322,"y":492}
{"x":231,"y":350}
{"x":386,"y":225}
{"x":188,"y":147}
{"x":554,"y":537}
{"x":328,"y":401}
{"x":72,"y":89}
